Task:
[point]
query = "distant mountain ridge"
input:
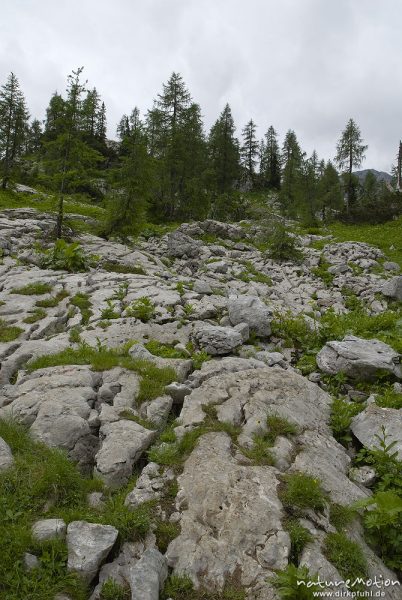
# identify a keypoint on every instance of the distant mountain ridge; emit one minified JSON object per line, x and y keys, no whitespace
{"x":379,"y":175}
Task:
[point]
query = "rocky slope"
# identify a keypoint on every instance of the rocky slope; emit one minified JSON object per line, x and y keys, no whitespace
{"x":212,"y":300}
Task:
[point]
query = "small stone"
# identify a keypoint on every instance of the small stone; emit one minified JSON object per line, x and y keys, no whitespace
{"x":364,"y":475}
{"x":48,"y":529}
{"x":30,"y":561}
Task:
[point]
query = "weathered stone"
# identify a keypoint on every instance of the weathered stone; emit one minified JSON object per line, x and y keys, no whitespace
{"x":363,"y":475}
{"x":148,"y":575}
{"x":358,"y":358}
{"x":179,"y":244}
{"x":6,"y":457}
{"x":369,"y":423}
{"x":149,"y":485}
{"x":88,"y":546}
{"x":240,"y":505}
{"x":123,"y":443}
{"x":30,"y":561}
{"x":251,"y":310}
{"x":217,"y":340}
{"x":49,"y":529}
{"x":393,"y":288}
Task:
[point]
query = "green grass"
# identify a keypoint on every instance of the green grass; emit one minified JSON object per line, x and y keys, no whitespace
{"x":37,"y":315}
{"x":342,"y":413}
{"x":83,"y":303}
{"x":386,"y":326}
{"x":346,"y":556}
{"x":33,"y":289}
{"x":386,"y":236}
{"x":164,"y":350}
{"x":129,"y":416}
{"x":260,"y":453}
{"x":43,"y":483}
{"x":114,"y":591}
{"x":9,"y":199}
{"x":301,"y":491}
{"x":171,"y":452}
{"x":389,"y":398}
{"x":8,"y":332}
{"x":153,"y":379}
{"x":52,"y":301}
{"x":119,"y":268}
{"x":142,"y":309}
{"x":299,"y":538}
{"x":165,"y":533}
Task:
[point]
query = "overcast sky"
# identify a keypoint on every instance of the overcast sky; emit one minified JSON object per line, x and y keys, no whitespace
{"x":307,"y":65}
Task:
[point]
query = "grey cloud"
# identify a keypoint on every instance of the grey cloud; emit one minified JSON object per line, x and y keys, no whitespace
{"x":308,"y":65}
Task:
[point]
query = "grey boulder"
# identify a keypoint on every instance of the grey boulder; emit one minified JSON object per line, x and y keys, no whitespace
{"x":250,"y":310}
{"x":217,"y":340}
{"x":179,"y":244}
{"x":368,"y":424}
{"x":393,"y":288}
{"x":358,"y":358}
{"x":148,"y":575}
{"x":88,"y":546}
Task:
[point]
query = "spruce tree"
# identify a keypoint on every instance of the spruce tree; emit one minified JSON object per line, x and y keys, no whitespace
{"x":329,"y":193}
{"x":270,"y":162}
{"x":350,"y":154}
{"x":13,"y":126}
{"x":292,"y":159}
{"x":224,"y":154}
{"x":249,"y":153}
{"x":68,"y":159}
{"x":127,"y":206}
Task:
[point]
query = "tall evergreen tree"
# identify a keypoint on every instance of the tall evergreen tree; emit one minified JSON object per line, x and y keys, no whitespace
{"x":292,"y":160}
{"x":270,"y":162}
{"x":13,"y":126}
{"x":68,"y":159}
{"x":33,"y":137}
{"x":224,"y":154}
{"x":349,"y":155}
{"x":249,"y":152}
{"x":174,"y":128}
{"x":101,"y":124}
{"x":329,"y":192}
{"x":54,"y":116}
{"x":127,"y":206}
{"x":307,"y":190}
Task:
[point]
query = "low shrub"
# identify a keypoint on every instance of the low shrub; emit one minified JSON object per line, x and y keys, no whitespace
{"x":64,"y":257}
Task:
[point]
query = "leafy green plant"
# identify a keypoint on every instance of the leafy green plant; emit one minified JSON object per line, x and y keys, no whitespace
{"x":346,"y":556}
{"x":282,"y":246}
{"x":291,"y":583}
{"x":142,"y":309}
{"x":322,"y":272}
{"x":83,"y":303}
{"x":65,"y":257}
{"x":342,"y":413}
{"x":164,"y":350}
{"x":383,"y":525}
{"x":121,"y":292}
{"x":389,"y":398}
{"x":385,"y":461}
{"x":33,"y":289}
{"x":109,"y":312}
{"x":8,"y":332}
{"x":199,"y":358}
{"x":301,"y":491}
